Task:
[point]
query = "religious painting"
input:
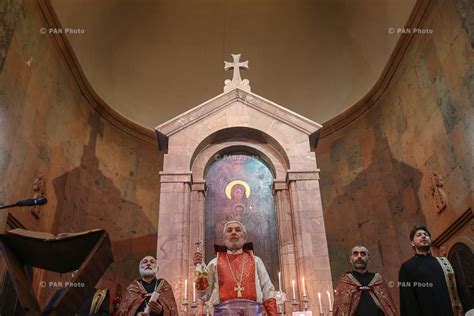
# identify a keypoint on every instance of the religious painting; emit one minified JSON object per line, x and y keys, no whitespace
{"x":239,"y":187}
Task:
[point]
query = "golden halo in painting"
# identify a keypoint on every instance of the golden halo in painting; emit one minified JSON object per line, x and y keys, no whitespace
{"x":230,"y":185}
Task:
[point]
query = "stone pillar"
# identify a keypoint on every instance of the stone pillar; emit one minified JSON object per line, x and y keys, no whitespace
{"x":311,"y":250}
{"x":286,"y":240}
{"x":198,"y":190}
{"x":173,"y":246}
{"x":285,"y":236}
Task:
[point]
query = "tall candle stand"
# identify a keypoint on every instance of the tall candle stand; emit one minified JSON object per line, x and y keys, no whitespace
{"x":294,"y":304}
{"x":305,"y":302}
{"x":185,"y":306}
{"x":194,"y":307}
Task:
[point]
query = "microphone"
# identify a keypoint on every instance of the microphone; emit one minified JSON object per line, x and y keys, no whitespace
{"x":29,"y":202}
{"x":32,"y":202}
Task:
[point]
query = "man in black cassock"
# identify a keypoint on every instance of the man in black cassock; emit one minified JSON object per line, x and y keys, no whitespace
{"x":424,"y":281}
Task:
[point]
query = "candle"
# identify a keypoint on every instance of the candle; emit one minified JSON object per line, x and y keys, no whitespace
{"x":304,"y":288}
{"x":320,"y":305}
{"x":194,"y":291}
{"x":186,"y":289}
{"x":279,"y":281}
{"x":294,"y":289}
{"x":329,"y":300}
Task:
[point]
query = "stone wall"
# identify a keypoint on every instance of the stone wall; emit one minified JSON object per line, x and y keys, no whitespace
{"x":9,"y":11}
{"x":96,"y":175}
{"x":376,"y":173}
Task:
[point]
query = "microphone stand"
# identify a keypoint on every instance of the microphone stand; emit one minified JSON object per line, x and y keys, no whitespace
{"x":8,"y":206}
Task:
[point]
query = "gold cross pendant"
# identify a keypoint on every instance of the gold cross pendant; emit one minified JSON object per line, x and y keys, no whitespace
{"x":239,"y":289}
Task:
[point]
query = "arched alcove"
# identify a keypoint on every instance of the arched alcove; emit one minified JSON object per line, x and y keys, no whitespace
{"x":239,"y":187}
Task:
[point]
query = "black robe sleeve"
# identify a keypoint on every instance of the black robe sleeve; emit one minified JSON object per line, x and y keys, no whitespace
{"x":408,"y":301}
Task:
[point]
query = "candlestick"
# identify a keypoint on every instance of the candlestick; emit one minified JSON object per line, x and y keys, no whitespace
{"x":295,"y":304}
{"x":186,"y":289}
{"x":194,"y":291}
{"x":329,"y":300}
{"x":194,"y":307}
{"x":294,"y":289}
{"x":305,"y":302}
{"x":320,"y":305}
{"x":185,"y":306}
{"x":279,"y":281}
{"x":304,"y":288}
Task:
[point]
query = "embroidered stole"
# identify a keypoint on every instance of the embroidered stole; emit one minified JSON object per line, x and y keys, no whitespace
{"x":97,"y":300}
{"x":451,"y":284}
{"x":360,"y":287}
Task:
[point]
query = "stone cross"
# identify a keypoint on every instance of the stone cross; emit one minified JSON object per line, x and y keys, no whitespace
{"x":236,"y":65}
{"x":236,"y":81}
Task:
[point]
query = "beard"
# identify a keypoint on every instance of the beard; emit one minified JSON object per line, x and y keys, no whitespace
{"x":234,"y":245}
{"x":424,"y":248}
{"x":147,"y":272}
{"x":359,"y":265}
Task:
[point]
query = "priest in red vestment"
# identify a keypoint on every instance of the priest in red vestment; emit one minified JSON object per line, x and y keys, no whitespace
{"x":139,"y":297}
{"x":235,"y":275}
{"x":360,"y":292}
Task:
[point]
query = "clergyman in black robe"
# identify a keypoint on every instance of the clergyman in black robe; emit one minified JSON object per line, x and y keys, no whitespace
{"x":423,"y":286}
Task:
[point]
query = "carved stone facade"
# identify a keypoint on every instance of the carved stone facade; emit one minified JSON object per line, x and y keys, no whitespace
{"x":440,"y":197}
{"x":39,"y":188}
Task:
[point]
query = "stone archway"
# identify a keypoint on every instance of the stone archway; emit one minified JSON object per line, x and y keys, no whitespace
{"x":461,"y":258}
{"x":245,"y":142}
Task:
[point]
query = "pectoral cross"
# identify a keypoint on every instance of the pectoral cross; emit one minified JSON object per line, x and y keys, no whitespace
{"x":239,"y":289}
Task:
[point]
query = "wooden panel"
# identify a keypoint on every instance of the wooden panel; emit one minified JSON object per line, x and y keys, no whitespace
{"x":20,"y":281}
{"x":90,"y":272}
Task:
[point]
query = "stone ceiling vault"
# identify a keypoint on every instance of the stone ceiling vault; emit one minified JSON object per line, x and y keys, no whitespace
{"x":152,"y":60}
